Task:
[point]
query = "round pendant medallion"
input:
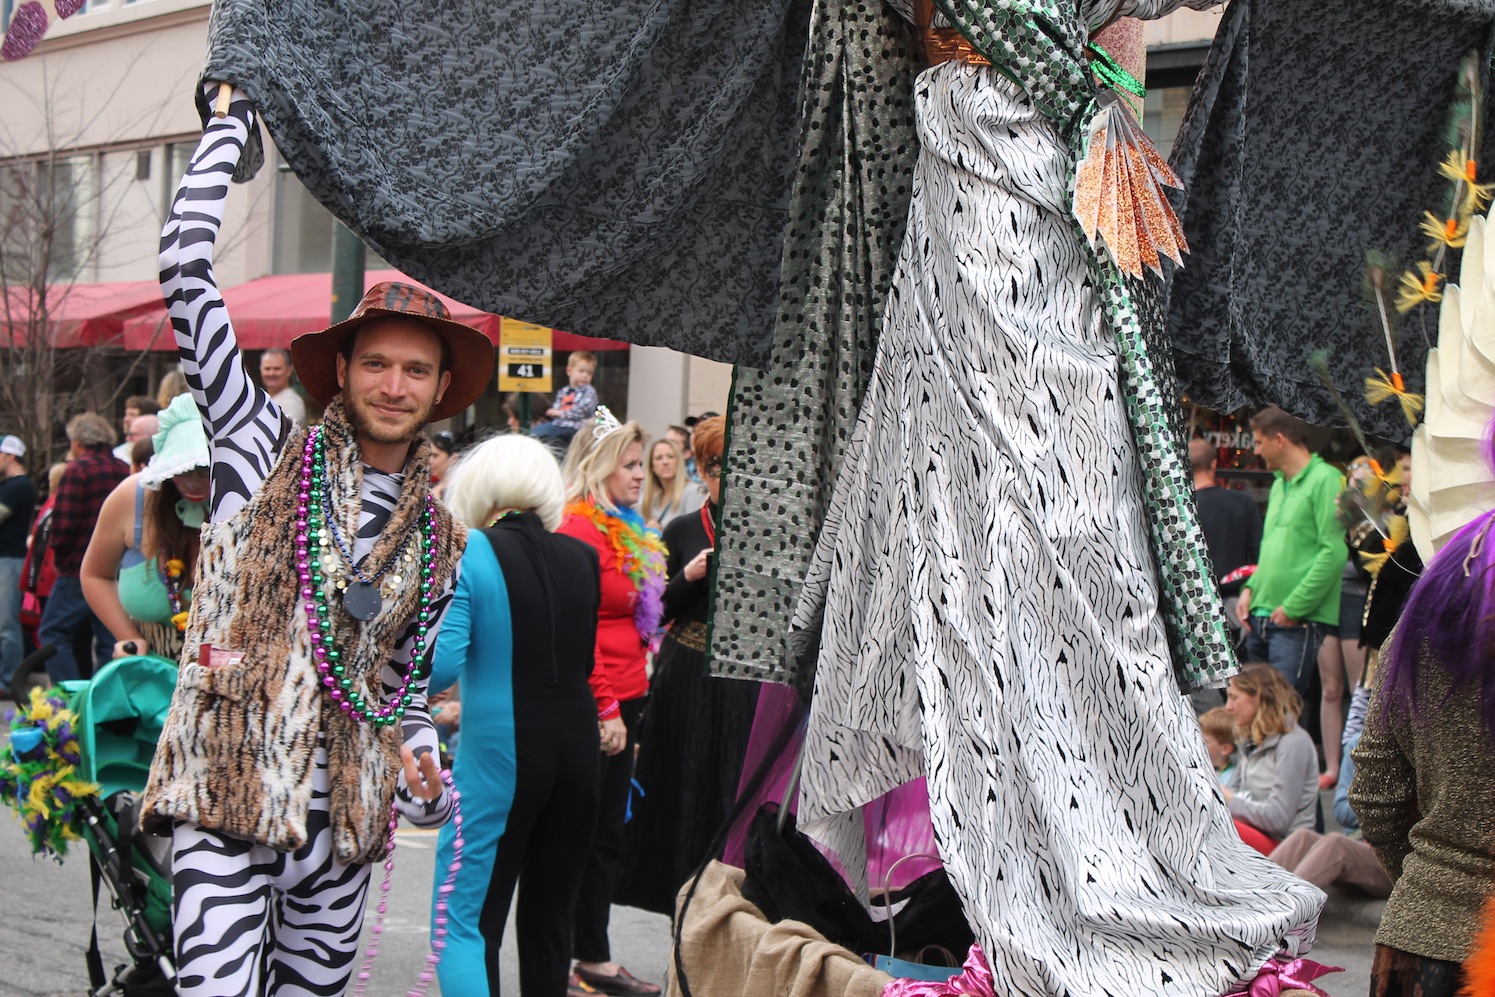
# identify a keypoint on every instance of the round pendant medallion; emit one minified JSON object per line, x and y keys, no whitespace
{"x":362,"y":601}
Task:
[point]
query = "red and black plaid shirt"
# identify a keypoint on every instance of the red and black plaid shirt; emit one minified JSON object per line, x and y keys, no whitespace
{"x":85,"y":485}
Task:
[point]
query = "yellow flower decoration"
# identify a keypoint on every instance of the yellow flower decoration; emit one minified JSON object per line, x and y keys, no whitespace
{"x":41,"y":707}
{"x":1424,"y":286}
{"x":1446,"y":232}
{"x":1462,"y":170}
{"x":1383,"y":386}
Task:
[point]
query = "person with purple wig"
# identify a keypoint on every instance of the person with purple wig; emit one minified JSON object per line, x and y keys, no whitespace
{"x":1425,"y":766}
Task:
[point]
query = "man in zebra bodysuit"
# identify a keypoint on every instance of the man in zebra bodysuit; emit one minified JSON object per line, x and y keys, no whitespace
{"x":299,"y":719}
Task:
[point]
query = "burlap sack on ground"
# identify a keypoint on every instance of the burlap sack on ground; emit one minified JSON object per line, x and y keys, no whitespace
{"x":730,"y":950}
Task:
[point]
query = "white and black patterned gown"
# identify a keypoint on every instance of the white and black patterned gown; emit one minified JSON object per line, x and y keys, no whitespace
{"x":991,"y":598}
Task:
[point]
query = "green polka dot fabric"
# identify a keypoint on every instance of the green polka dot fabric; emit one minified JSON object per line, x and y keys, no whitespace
{"x":1192,"y":612}
{"x":789,"y":422}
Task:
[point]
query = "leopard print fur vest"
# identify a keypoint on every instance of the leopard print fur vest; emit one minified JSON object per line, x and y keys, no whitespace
{"x":236,"y":752}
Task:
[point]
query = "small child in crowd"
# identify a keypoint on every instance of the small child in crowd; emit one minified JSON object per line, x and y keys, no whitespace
{"x":576,"y":403}
{"x":1219,"y":737}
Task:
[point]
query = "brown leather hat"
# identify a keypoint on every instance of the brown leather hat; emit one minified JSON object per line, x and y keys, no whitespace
{"x":314,"y":354}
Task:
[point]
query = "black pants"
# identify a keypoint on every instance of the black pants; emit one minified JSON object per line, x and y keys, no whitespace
{"x":602,"y":869}
{"x":544,"y":845}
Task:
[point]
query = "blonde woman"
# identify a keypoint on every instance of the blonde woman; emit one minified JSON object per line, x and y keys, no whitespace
{"x":604,"y":477}
{"x":1275,"y":791}
{"x":668,"y":491}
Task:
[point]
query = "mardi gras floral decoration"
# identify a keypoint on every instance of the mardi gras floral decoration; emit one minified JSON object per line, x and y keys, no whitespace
{"x":38,"y":778}
{"x":29,"y":23}
{"x":1381,"y":386}
{"x":1448,"y":229}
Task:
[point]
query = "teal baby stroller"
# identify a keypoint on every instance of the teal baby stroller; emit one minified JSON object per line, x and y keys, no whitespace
{"x":102,"y":731}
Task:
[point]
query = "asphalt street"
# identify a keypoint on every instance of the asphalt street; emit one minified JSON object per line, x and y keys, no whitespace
{"x":45,"y":926}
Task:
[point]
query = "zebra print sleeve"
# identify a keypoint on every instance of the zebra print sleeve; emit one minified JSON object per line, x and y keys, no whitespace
{"x":419,"y":733}
{"x":246,"y":428}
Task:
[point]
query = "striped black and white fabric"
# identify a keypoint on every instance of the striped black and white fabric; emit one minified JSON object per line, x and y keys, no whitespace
{"x":991,"y":599}
{"x":221,"y":883}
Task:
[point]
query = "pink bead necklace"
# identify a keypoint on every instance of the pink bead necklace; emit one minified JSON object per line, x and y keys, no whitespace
{"x":438,"y":940}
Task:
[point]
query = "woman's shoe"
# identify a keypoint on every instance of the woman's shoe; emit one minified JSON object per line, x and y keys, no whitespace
{"x":621,"y":984}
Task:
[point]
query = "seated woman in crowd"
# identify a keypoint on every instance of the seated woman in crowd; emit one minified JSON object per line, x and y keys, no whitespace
{"x":1275,"y":790}
{"x":137,"y":572}
{"x":520,"y":637}
{"x":1338,"y":859}
{"x":668,"y":491}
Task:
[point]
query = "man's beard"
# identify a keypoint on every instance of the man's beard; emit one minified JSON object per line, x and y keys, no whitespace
{"x":365,"y":425}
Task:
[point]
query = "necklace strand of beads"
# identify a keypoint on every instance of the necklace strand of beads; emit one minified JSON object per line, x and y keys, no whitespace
{"x":438,"y":942}
{"x":309,"y":548}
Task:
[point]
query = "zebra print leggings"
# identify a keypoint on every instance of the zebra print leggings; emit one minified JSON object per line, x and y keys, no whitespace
{"x":250,"y":920}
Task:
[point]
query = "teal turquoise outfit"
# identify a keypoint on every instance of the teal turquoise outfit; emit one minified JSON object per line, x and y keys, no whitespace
{"x":517,"y":637}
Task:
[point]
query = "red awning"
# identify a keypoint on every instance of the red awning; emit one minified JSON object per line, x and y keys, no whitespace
{"x":270,"y":312}
{"x":79,"y":314}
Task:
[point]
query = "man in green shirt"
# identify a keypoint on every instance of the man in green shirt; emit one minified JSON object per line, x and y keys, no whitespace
{"x":1292,"y":600}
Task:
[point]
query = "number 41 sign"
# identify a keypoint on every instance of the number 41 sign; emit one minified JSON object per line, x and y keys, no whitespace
{"x":523,"y":357}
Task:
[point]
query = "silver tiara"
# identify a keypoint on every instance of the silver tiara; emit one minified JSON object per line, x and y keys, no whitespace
{"x":605,"y":423}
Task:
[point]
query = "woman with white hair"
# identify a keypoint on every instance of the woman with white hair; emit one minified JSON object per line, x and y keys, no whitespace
{"x":519,"y":636}
{"x":604,"y":474}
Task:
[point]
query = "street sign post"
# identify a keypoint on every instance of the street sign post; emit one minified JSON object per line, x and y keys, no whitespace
{"x":523,"y":357}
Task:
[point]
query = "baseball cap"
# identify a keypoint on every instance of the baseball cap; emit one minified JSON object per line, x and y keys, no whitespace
{"x":12,"y":445}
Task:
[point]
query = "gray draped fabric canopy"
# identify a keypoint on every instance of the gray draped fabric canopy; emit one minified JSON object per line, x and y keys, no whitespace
{"x":1314,"y":134}
{"x":616,"y":169}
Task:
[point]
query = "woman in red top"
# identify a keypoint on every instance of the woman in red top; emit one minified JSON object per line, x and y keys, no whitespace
{"x":604,"y":474}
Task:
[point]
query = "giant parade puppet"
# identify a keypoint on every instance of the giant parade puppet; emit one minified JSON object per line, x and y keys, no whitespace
{"x":963,"y":294}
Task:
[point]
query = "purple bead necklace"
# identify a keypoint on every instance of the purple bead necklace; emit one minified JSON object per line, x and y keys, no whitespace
{"x":311,"y":540}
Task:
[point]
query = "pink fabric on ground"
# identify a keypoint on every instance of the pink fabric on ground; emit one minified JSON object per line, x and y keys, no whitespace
{"x":1280,"y":976}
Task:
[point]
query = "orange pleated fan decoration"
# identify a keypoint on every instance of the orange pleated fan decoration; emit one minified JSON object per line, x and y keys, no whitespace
{"x":1119,"y":197}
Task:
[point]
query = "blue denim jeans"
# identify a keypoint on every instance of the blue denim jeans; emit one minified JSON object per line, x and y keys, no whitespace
{"x":66,"y":611}
{"x":10,"y":617}
{"x":1293,"y":651}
